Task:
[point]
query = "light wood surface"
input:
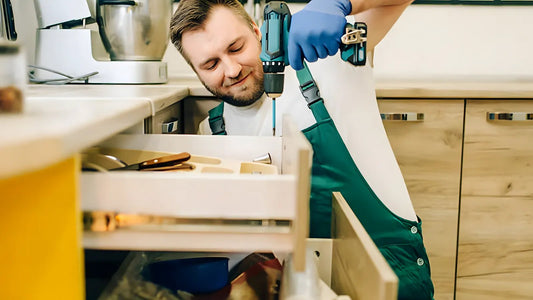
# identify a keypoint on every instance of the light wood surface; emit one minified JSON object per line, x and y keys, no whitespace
{"x":297,"y":158}
{"x":358,"y":269}
{"x":455,"y":88}
{"x":422,"y":88}
{"x":495,"y":257}
{"x":429,"y":155}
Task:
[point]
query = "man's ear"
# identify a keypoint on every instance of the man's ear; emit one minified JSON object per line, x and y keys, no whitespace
{"x":256,"y":30}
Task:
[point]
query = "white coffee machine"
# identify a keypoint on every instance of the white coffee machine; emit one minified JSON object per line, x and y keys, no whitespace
{"x":124,"y":47}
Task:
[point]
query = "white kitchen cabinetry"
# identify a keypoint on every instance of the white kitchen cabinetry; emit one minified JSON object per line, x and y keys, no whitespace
{"x":167,"y":120}
{"x":196,"y":110}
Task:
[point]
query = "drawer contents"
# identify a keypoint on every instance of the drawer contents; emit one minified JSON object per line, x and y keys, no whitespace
{"x":108,"y":162}
{"x":114,"y":159}
{"x":189,"y":276}
{"x":221,"y":204}
{"x":198,"y":275}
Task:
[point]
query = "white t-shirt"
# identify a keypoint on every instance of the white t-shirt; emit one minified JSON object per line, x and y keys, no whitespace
{"x":350,"y":98}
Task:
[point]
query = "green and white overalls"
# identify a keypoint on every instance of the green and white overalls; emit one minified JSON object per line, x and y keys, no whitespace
{"x":399,"y":240}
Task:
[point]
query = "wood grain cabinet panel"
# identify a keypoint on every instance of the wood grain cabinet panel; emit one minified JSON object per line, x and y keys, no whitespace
{"x":495,"y":255}
{"x":429,"y":155}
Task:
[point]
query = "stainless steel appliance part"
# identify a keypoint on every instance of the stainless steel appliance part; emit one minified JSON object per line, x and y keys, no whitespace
{"x":134,"y":30}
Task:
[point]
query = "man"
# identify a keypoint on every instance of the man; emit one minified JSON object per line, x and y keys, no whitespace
{"x":351,"y":151}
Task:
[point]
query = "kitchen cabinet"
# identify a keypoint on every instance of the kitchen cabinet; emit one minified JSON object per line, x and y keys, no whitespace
{"x":197,"y":109}
{"x":166,"y":121}
{"x":426,"y":137}
{"x":429,"y":154}
{"x":495,"y":254}
{"x":40,"y":240}
{"x":216,"y":213}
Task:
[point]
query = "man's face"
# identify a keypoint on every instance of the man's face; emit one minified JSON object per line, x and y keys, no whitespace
{"x":225,"y":55}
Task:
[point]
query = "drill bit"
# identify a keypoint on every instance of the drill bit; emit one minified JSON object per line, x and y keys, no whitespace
{"x":273,"y":116}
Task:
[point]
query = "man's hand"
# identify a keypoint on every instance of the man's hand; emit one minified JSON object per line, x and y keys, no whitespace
{"x":316,"y":30}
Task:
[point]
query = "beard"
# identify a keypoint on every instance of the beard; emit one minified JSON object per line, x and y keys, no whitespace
{"x":248,"y":95}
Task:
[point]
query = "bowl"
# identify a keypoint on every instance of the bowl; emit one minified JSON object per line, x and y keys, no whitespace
{"x":197,"y":275}
{"x":134,"y":29}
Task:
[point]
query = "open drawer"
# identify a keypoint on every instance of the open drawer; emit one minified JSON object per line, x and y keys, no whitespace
{"x":205,"y":211}
{"x":349,"y":265}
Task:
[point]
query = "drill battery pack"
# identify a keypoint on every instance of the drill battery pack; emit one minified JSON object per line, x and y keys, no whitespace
{"x":353,"y":46}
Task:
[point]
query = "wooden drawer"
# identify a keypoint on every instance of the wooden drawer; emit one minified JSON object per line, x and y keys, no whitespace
{"x":495,"y":257}
{"x":429,"y":154}
{"x":243,"y":212}
{"x":348,"y":264}
{"x":355,"y":265}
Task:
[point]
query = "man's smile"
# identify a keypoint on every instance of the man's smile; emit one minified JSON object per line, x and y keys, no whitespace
{"x":241,"y":81}
{"x":238,"y":82}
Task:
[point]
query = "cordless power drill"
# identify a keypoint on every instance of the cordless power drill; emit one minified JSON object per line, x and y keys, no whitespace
{"x":274,"y":40}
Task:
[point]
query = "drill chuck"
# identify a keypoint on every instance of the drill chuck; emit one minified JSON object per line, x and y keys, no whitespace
{"x":273,"y":83}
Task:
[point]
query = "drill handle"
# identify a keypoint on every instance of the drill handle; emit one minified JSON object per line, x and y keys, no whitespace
{"x":275,"y":36}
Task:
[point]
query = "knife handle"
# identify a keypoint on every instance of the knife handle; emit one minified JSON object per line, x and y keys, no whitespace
{"x":163,"y":161}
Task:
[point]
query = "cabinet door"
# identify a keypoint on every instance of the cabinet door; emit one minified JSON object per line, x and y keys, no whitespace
{"x":429,"y":154}
{"x":495,"y":257}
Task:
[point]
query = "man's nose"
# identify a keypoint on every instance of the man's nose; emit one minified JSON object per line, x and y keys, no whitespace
{"x":232,"y":68}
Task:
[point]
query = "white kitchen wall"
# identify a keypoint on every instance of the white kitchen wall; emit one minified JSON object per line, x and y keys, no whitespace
{"x":428,"y":42}
{"x":447,"y":42}
{"x":431,"y":41}
{"x":25,"y":24}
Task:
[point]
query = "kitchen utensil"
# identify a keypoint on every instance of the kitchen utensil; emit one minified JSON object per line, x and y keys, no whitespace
{"x":134,"y":30}
{"x":182,"y":166}
{"x":197,"y":275}
{"x":100,"y":162}
{"x":165,"y":161}
{"x":196,"y":163}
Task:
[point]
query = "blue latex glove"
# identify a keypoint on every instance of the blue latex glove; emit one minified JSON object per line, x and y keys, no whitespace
{"x":316,"y":30}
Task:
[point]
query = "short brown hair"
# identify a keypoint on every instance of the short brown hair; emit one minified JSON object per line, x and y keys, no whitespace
{"x":192,"y":14}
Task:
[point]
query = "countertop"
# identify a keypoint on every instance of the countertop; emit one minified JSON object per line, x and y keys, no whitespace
{"x":462,"y":88}
{"x":417,"y":88}
{"x":60,"y":121}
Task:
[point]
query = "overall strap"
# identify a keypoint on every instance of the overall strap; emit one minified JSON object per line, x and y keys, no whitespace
{"x":216,"y":120}
{"x":311,"y":94}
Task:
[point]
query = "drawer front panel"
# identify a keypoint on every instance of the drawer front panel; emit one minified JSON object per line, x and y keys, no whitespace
{"x":495,"y":257}
{"x":428,"y":150}
{"x":194,"y":210}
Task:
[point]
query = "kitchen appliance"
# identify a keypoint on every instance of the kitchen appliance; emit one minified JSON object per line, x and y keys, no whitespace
{"x":7,"y":22}
{"x":126,"y":46}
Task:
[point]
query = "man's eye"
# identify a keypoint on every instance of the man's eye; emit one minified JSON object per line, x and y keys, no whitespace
{"x":211,"y":66}
{"x":236,"y":49}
